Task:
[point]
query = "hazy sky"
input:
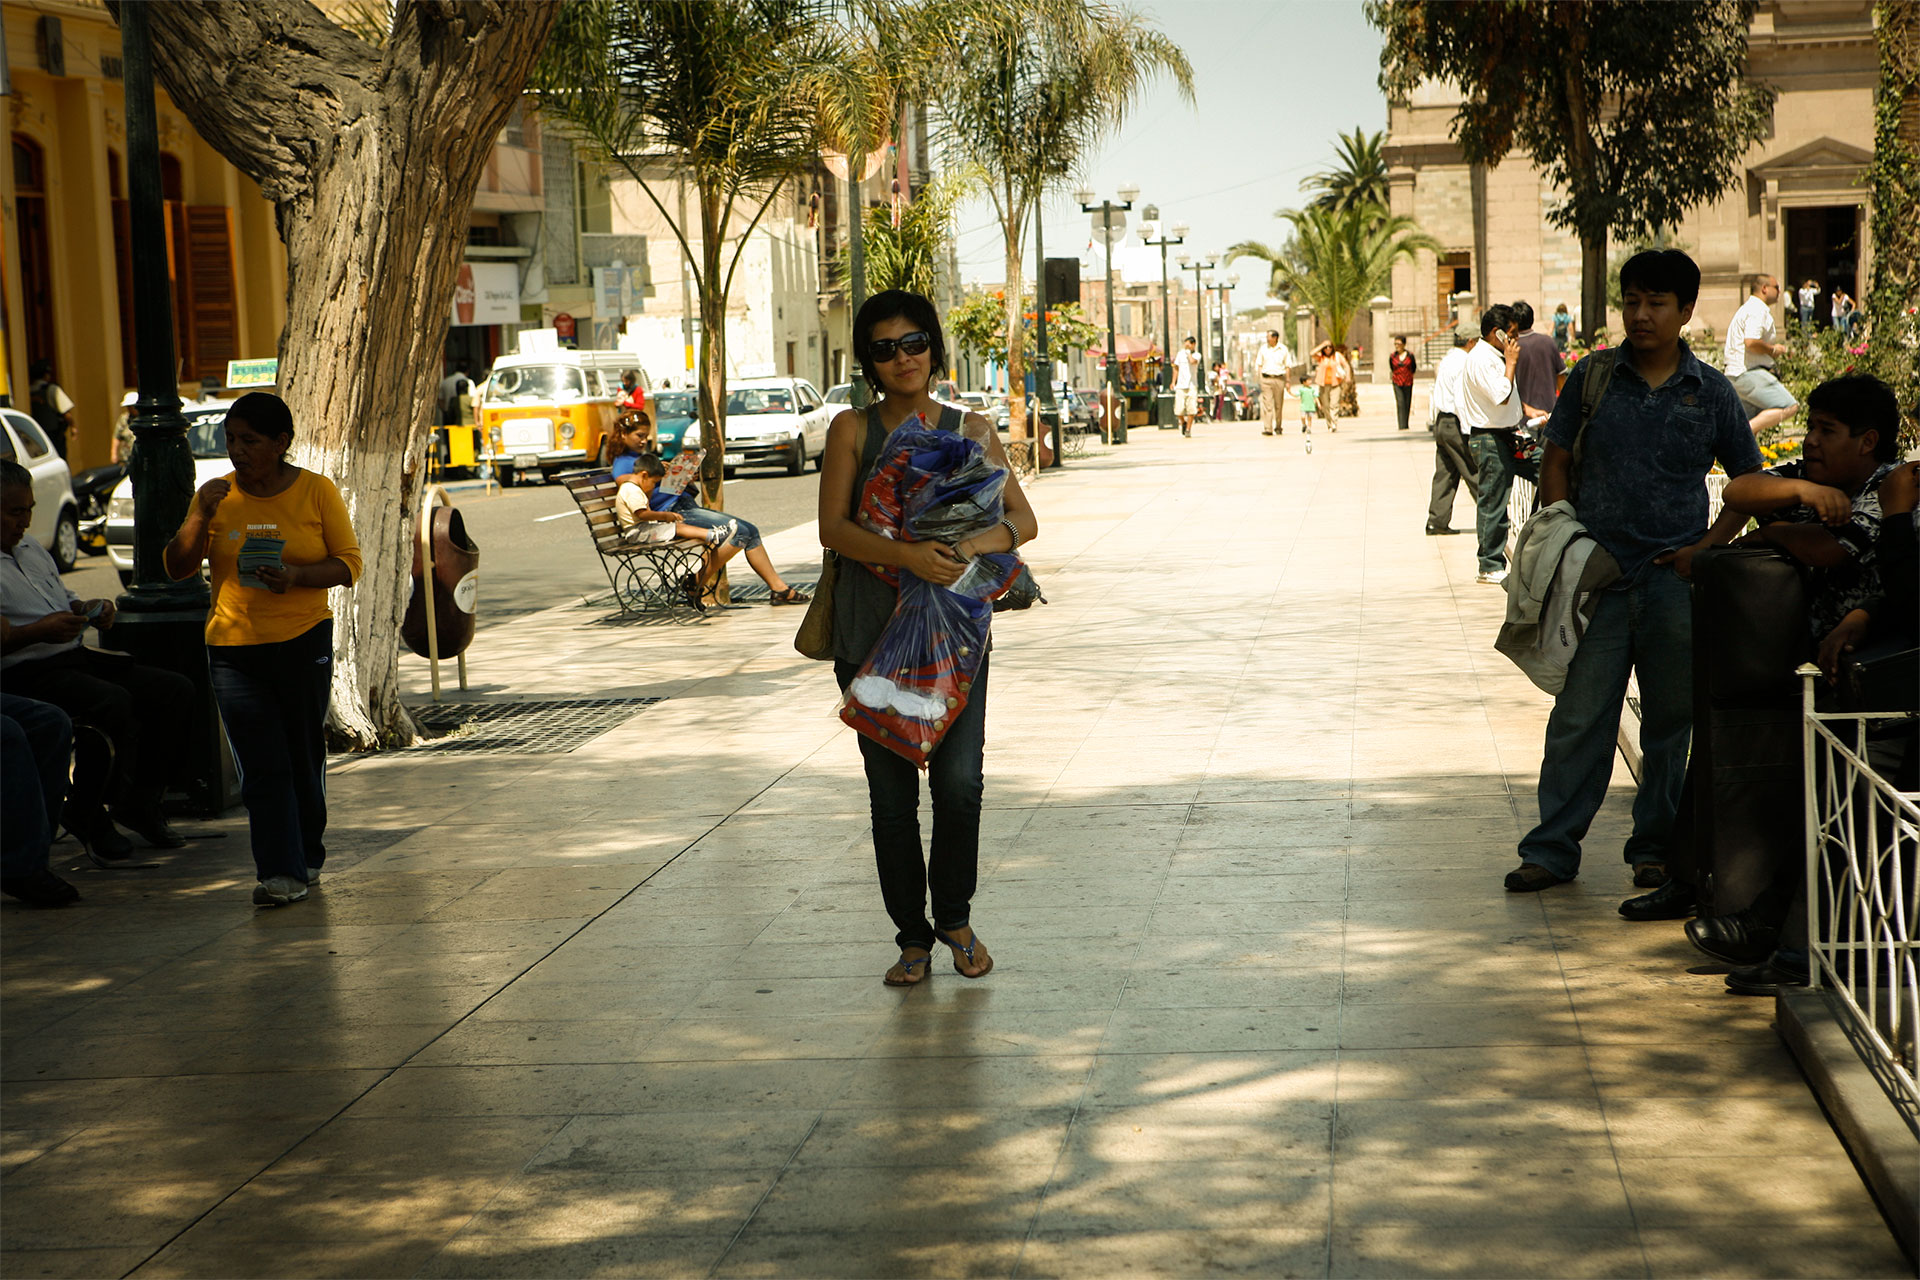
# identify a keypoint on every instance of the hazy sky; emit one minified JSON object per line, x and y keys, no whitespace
{"x":1274,"y":82}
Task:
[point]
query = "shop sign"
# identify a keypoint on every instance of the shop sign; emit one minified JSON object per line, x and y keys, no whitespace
{"x":563,"y":327}
{"x":616,"y":292}
{"x":253,"y":373}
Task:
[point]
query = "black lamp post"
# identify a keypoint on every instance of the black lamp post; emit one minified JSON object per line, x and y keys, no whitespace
{"x":1161,"y":239}
{"x":1199,"y":301}
{"x":161,"y":621}
{"x":1116,"y":429}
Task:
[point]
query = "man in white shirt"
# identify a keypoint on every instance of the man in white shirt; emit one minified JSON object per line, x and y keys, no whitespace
{"x":1749,"y":357}
{"x":1186,"y":386}
{"x":1452,"y":466}
{"x":139,"y":713}
{"x":1274,"y":365}
{"x":1490,"y":411}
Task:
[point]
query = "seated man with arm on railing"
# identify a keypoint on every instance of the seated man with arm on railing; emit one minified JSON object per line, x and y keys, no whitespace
{"x":1826,"y":511}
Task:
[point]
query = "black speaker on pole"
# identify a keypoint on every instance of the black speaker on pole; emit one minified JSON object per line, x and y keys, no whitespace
{"x":1063,"y":281}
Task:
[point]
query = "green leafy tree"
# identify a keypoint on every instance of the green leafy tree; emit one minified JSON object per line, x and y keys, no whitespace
{"x":1028,"y":89}
{"x":1893,"y":301}
{"x":1341,"y":259}
{"x":908,"y":256}
{"x":1360,"y":177}
{"x":723,"y":93}
{"x":1287,"y":252}
{"x":1635,"y":110}
{"x":979,"y":325}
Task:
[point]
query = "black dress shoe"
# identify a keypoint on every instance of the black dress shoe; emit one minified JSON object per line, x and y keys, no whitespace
{"x":1737,"y":938}
{"x":41,"y":888}
{"x":1531,"y":877}
{"x":1440,"y":533}
{"x":1765,"y":979}
{"x":150,"y":824}
{"x":1674,"y":900}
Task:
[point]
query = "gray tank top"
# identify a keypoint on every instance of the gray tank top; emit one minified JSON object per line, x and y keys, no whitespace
{"x":862,"y":603}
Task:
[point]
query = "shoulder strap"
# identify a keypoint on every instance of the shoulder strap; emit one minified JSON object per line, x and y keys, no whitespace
{"x":1593,"y":386}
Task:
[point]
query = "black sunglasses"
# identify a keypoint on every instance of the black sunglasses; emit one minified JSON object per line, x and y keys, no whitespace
{"x":912,"y":344}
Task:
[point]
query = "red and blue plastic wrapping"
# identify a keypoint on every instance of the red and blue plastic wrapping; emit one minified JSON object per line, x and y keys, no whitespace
{"x":929,"y":486}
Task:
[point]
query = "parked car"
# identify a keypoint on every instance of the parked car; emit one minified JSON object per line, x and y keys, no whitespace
{"x":56,"y":516}
{"x":545,"y":408}
{"x":974,"y":401}
{"x":207,"y":441}
{"x":673,"y":413}
{"x":772,"y":422}
{"x":839,"y":396}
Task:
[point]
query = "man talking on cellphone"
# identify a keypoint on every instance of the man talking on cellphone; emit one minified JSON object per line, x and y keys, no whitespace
{"x":1490,"y":413}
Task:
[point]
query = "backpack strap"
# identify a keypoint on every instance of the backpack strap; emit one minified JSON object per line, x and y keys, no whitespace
{"x":1593,"y":387}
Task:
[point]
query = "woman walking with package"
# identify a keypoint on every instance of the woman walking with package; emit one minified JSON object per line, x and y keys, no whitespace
{"x":276,"y":538}
{"x":898,"y":341}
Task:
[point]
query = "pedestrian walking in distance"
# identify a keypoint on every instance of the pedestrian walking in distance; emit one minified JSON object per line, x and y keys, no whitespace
{"x":1748,"y":358}
{"x":1186,"y":386}
{"x":1402,"y":366}
{"x":1452,"y":464}
{"x":1273,"y":367}
{"x":902,"y":351}
{"x":277,"y":538}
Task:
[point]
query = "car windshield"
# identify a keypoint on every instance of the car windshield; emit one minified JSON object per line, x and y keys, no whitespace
{"x":842,"y":394}
{"x":207,"y":434}
{"x":538,"y":382}
{"x":668,"y":405}
{"x":752,"y":400}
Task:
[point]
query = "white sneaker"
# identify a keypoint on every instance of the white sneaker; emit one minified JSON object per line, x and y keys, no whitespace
{"x":313,"y":875}
{"x":278,"y":891}
{"x":1494,"y":578}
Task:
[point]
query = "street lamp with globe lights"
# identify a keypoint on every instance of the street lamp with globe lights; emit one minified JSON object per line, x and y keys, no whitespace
{"x":1151,"y":215}
{"x":1115,"y":421}
{"x":1199,"y":300}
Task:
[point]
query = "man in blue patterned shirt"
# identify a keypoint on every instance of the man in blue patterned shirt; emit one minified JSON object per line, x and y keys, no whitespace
{"x":1663,"y":421}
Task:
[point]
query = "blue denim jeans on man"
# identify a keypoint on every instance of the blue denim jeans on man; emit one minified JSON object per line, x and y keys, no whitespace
{"x":1645,"y":628}
{"x":1494,"y":466}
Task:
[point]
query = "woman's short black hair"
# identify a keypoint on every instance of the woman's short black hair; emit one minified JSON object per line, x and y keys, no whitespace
{"x":1662,"y":271}
{"x":265,"y":412}
{"x":886,"y":305}
{"x":1863,"y":403}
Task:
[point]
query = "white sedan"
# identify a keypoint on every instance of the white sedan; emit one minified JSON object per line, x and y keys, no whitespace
{"x":56,"y":517}
{"x":774,"y":422}
{"x":207,"y":440}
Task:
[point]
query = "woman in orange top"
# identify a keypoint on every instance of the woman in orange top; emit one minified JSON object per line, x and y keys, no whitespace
{"x":276,"y":538}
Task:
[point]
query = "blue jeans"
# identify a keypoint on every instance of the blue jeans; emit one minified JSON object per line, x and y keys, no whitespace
{"x":951,"y":866}
{"x":743,"y":534}
{"x":1495,"y":467}
{"x":273,"y":701}
{"x":33,"y":781}
{"x":1646,"y":628}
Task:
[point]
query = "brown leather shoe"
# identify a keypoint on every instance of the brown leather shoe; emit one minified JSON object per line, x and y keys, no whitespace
{"x":1532,"y":878}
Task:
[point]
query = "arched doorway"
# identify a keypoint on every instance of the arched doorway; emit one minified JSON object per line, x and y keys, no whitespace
{"x":36,"y":256}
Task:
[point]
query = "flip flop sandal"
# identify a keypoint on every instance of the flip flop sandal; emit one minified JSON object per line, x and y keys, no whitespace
{"x":967,"y":951}
{"x":907,"y":967}
{"x":792,"y":595}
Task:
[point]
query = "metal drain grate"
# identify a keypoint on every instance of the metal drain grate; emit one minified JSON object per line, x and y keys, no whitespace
{"x":757,"y":591}
{"x":520,"y":728}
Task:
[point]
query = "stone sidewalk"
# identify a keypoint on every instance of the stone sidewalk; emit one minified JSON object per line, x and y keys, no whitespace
{"x":1260,"y":1005}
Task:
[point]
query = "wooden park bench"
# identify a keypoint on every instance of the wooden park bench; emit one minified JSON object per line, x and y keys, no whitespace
{"x":646,"y":576}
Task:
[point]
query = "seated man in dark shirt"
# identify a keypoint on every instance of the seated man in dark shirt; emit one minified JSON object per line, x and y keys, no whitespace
{"x":1824,"y":510}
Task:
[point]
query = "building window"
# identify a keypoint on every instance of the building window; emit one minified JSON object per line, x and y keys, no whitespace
{"x":593,"y":195}
{"x":36,"y":257}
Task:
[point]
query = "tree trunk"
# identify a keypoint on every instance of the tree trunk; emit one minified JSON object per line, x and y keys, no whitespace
{"x":1016,"y":346}
{"x":371,"y":157}
{"x":1593,"y":287}
{"x":1893,"y":328}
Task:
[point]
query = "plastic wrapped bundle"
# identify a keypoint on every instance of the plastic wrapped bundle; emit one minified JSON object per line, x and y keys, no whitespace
{"x":929,"y":486}
{"x":919,"y":677}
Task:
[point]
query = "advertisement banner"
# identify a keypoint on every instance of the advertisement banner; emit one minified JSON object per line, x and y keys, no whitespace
{"x":616,"y":292}
{"x":486,"y":293}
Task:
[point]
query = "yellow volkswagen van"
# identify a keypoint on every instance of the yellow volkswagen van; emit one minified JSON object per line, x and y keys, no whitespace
{"x":546,"y":408}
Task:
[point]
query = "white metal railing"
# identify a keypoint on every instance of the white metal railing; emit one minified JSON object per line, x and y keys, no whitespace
{"x":1863,"y":896}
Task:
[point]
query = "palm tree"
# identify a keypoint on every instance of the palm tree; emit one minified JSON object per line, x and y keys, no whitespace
{"x":1276,"y":280}
{"x":1028,"y":88}
{"x":1360,"y":178}
{"x":723,"y":93}
{"x":908,"y":256}
{"x":1343,"y":257}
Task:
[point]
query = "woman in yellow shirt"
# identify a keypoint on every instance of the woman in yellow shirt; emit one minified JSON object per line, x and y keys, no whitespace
{"x":276,"y":538}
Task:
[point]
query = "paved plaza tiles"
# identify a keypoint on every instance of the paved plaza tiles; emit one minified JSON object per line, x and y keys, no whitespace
{"x":1260,"y":1007}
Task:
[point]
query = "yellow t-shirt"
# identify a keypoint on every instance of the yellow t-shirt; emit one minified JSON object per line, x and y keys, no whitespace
{"x":305,"y":524}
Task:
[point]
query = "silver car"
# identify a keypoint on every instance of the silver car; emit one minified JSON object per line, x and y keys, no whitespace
{"x":56,"y":516}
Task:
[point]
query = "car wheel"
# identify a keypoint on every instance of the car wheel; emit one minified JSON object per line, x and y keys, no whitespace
{"x":798,"y":462}
{"x":66,"y":541}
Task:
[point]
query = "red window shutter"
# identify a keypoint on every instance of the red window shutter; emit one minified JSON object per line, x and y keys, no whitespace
{"x":179,"y":268}
{"x":123,"y":280}
{"x":213,"y":312}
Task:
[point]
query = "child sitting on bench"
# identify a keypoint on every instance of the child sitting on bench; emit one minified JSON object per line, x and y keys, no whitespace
{"x":645,"y":514}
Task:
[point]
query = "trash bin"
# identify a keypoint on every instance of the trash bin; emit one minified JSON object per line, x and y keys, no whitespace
{"x":1049,"y":433}
{"x":1163,"y":415}
{"x":456,"y":582}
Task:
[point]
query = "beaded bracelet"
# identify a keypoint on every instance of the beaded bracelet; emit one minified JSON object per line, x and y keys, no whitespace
{"x":1012,"y":533}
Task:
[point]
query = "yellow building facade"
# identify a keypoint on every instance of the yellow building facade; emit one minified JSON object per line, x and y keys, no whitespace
{"x":63,"y":201}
